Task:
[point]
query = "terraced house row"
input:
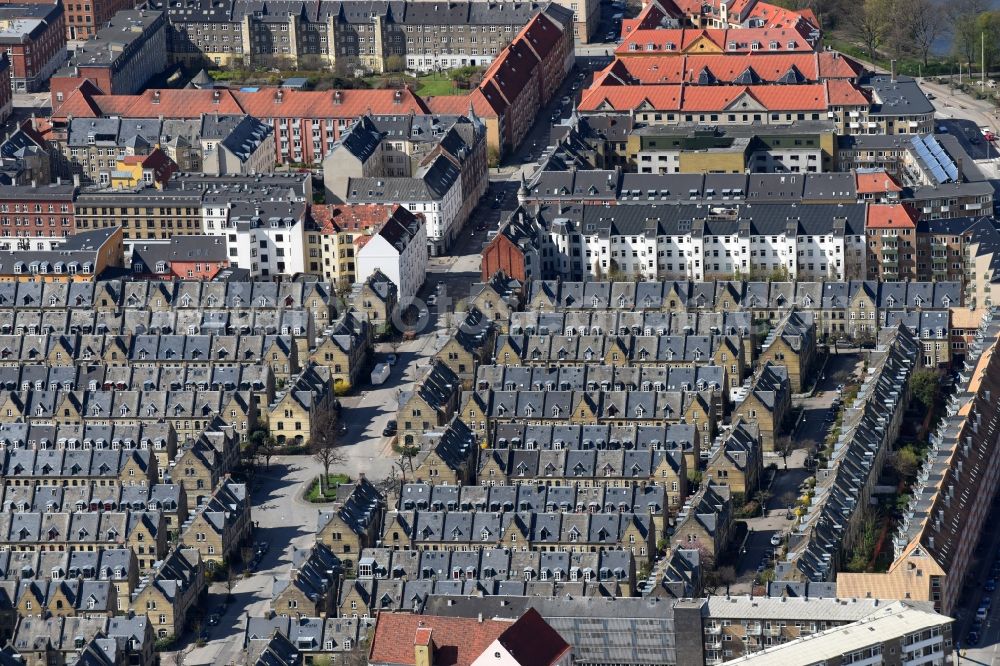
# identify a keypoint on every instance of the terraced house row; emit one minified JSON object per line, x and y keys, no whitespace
{"x":838,"y":308}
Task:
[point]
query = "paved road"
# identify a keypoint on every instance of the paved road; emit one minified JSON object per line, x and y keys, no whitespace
{"x":784,"y":483}
{"x":285,"y":520}
{"x":988,"y":649}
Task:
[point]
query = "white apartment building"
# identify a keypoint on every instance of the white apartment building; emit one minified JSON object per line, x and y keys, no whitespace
{"x":808,"y":242}
{"x":399,"y":250}
{"x":434,"y":193}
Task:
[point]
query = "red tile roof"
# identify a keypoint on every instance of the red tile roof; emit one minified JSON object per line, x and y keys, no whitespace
{"x":541,"y":34}
{"x":876,"y":182}
{"x":513,"y":70}
{"x":458,"y":641}
{"x":890,"y":216}
{"x":351,"y":217}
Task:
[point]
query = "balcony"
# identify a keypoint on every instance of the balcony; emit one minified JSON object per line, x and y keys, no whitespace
{"x":713,"y":631}
{"x":713,"y":645}
{"x":890,"y":260}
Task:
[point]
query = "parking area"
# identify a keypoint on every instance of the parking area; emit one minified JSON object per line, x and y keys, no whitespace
{"x":970,"y":136}
{"x":977,"y":616}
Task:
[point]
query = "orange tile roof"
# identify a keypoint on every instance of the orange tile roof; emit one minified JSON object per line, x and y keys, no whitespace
{"x":458,"y":641}
{"x":963,"y":317}
{"x":184,"y":103}
{"x":876,"y":182}
{"x":725,"y":67}
{"x":890,"y":216}
{"x":835,"y":65}
{"x":845,"y":93}
{"x":265,"y":103}
{"x":624,"y":98}
{"x":805,"y":97}
{"x":330,"y":103}
{"x":728,"y":40}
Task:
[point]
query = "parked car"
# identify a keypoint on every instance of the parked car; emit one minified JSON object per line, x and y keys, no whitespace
{"x":389,"y":429}
{"x":972,"y":639}
{"x":990,"y":586}
{"x":213,"y":620}
{"x":776,"y":539}
{"x":391,"y":359}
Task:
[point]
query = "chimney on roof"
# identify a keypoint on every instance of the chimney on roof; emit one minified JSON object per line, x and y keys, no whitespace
{"x":892,"y":70}
{"x":423,"y":647}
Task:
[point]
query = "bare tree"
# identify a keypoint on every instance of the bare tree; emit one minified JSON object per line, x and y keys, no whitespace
{"x":268,"y":449}
{"x":324,"y":444}
{"x":925,"y":26}
{"x":784,"y":446}
{"x":246,"y":552}
{"x":389,"y":486}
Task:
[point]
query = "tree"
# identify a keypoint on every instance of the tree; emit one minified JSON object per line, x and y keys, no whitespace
{"x":924,"y":386}
{"x":925,"y":26}
{"x":871,"y":23}
{"x":762,"y":496}
{"x":905,"y":461}
{"x":964,"y":16}
{"x":268,"y":449}
{"x":246,"y":553}
{"x":988,"y":25}
{"x":389,"y":486}
{"x":324,"y":445}
{"x":784,"y":446}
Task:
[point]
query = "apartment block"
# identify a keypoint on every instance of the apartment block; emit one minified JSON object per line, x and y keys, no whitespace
{"x":33,"y":36}
{"x":121,"y":56}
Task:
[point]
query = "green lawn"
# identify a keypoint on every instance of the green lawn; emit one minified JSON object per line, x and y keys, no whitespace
{"x":332,"y":482}
{"x":436,"y":84}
